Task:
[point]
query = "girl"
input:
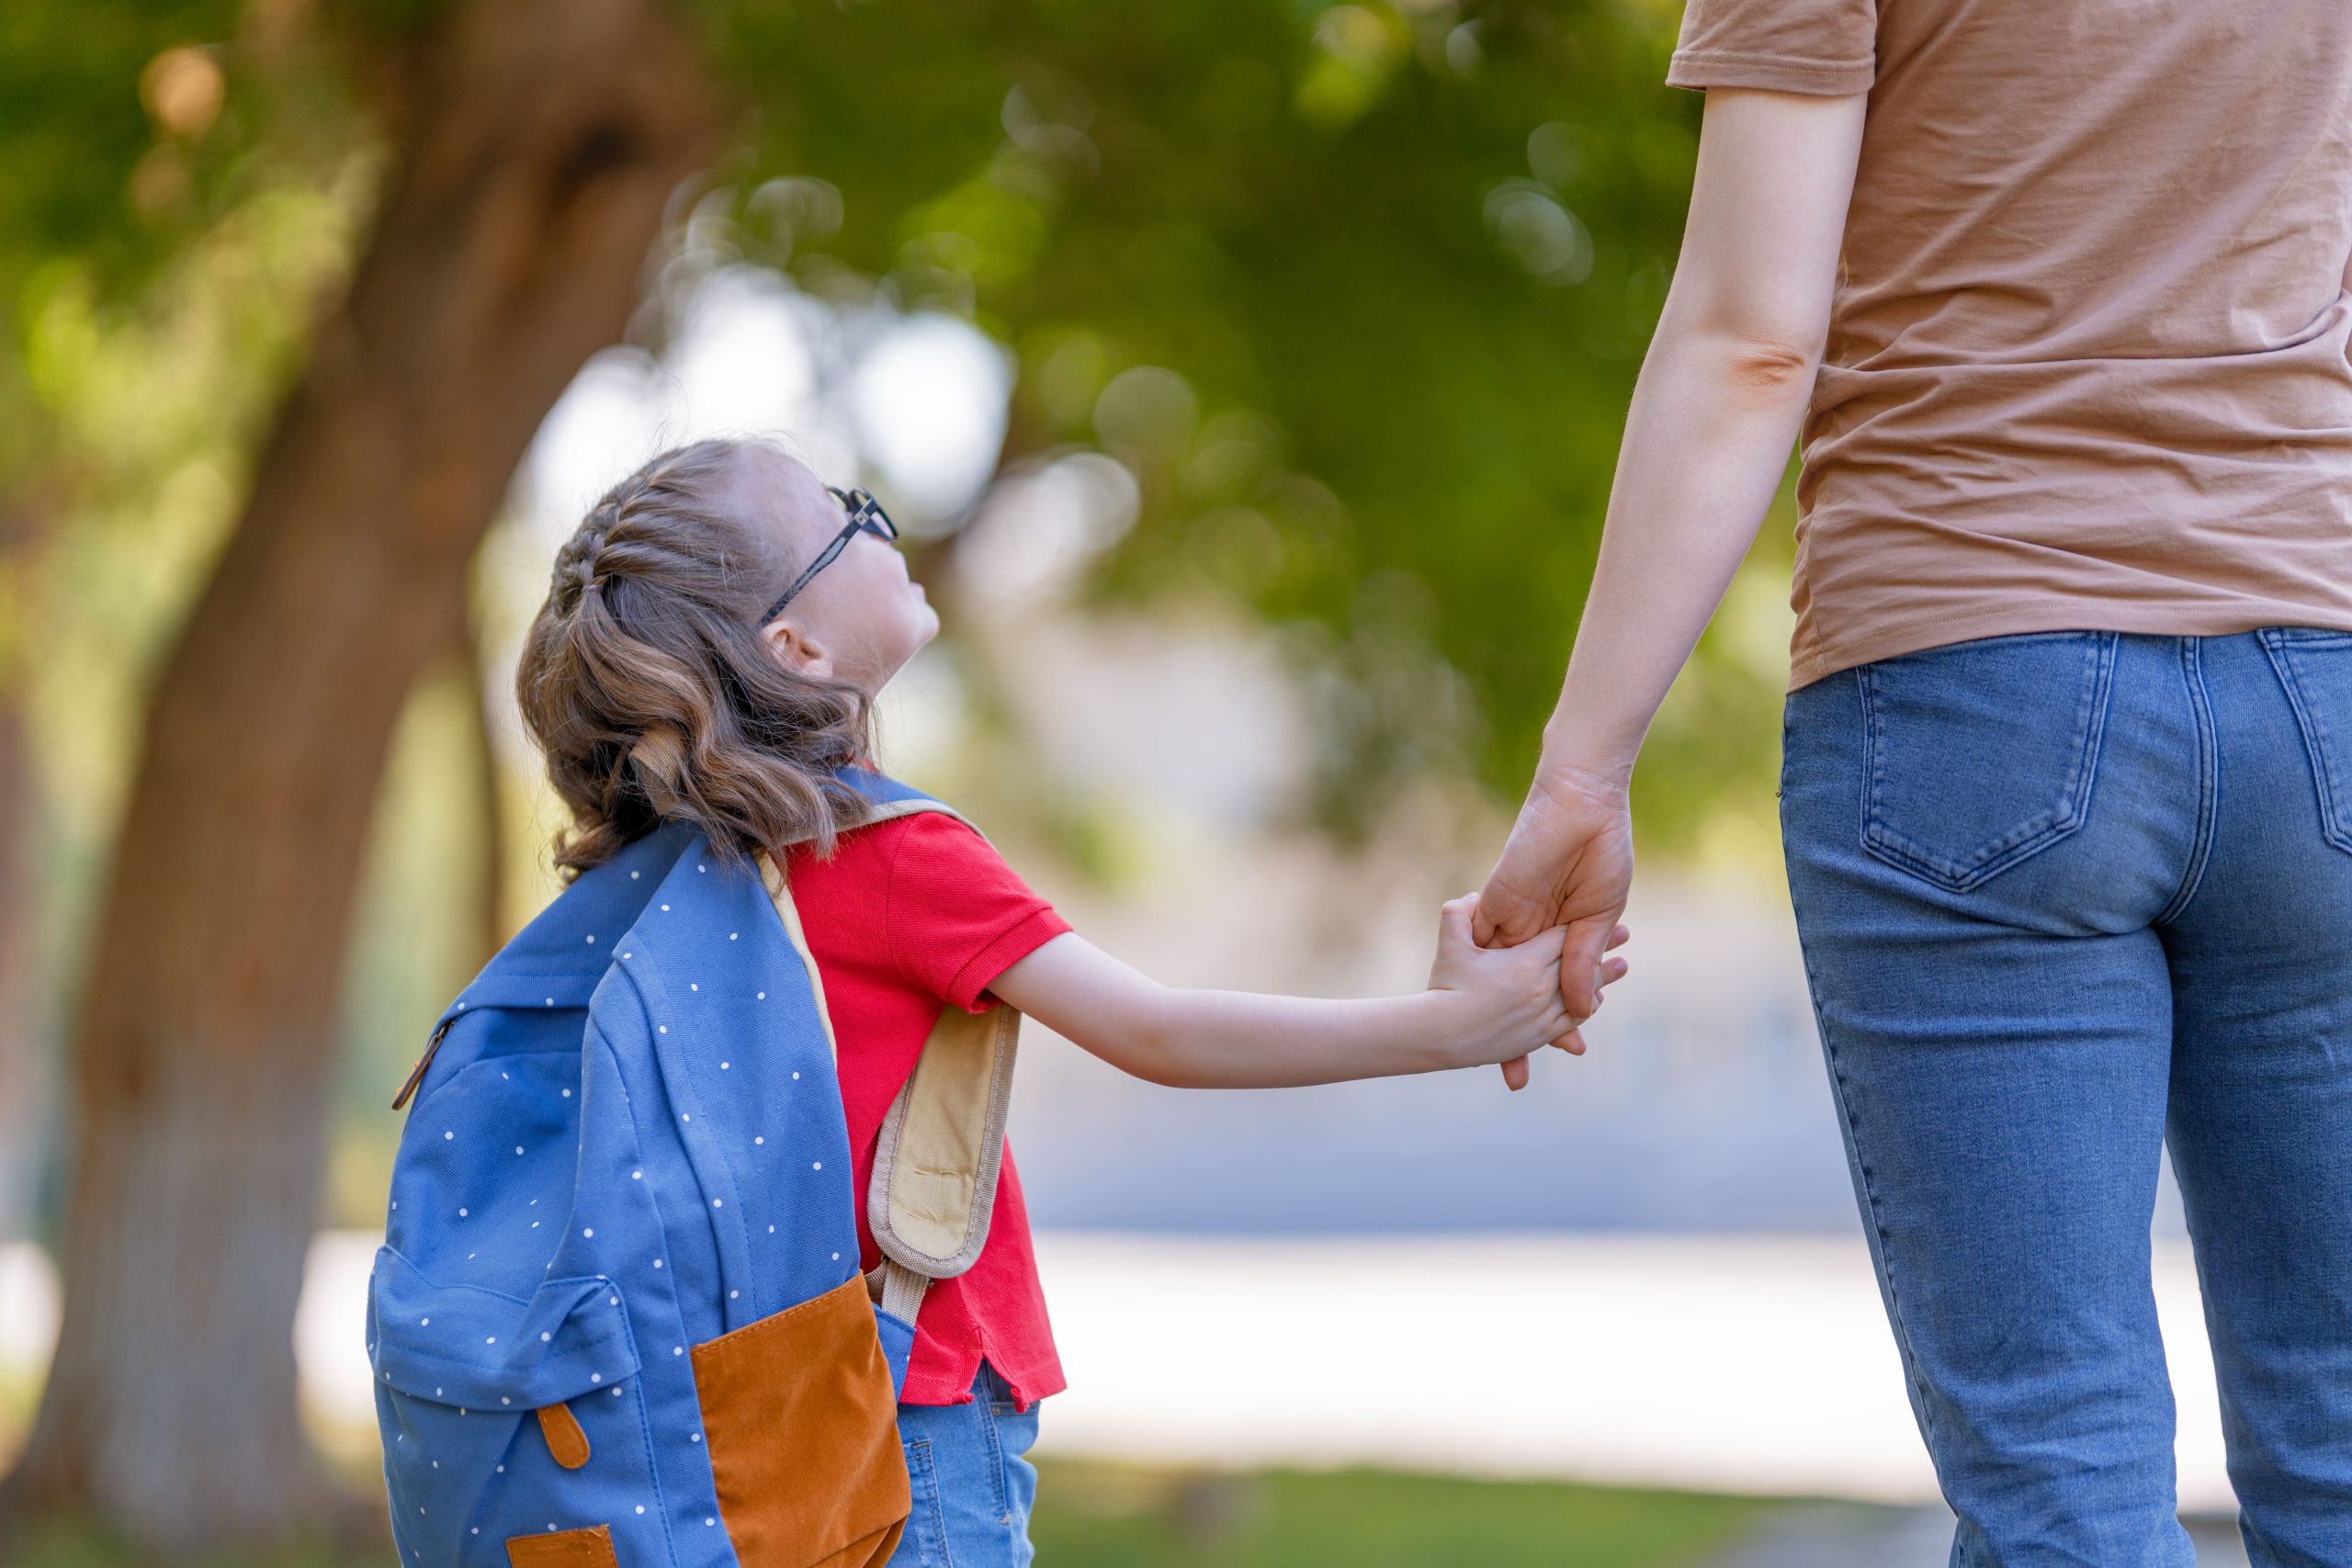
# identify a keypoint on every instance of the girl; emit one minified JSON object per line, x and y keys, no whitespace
{"x":710,"y":649}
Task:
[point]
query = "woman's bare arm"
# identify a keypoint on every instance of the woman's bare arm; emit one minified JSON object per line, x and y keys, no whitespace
{"x":1715,"y":413}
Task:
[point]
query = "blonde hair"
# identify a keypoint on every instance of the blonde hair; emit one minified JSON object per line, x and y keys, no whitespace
{"x":645,"y":680}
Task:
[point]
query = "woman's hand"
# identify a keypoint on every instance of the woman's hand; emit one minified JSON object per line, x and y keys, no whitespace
{"x":1568,"y":863}
{"x":1721,"y":394}
{"x":1497,"y":1002}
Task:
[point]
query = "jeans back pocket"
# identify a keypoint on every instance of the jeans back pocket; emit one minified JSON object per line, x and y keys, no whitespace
{"x":1978,"y":755}
{"x":2315,"y":667}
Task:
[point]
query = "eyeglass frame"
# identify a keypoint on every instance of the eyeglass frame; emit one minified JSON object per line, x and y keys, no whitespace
{"x":865,"y":517}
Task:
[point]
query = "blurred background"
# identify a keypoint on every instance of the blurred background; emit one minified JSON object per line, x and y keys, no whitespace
{"x":1247,"y":375}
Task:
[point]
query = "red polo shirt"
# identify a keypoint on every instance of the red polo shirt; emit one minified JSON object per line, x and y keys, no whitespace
{"x":907,"y":916}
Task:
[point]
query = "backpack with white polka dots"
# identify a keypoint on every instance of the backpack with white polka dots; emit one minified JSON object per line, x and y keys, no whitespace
{"x":617,"y":1319}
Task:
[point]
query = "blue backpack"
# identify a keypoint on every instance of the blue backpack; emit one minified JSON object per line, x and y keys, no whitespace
{"x":617,"y":1319}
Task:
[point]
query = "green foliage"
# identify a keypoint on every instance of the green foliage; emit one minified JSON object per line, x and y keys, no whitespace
{"x":1359,"y":291}
{"x":181,"y":183}
{"x":77,"y":129}
{"x":150,"y":409}
{"x":135,"y":127}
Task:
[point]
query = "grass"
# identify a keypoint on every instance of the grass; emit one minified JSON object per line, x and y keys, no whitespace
{"x":1113,"y":1516}
{"x":1092,"y":1513}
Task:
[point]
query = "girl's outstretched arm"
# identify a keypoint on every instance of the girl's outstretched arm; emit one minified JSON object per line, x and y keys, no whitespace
{"x":1482,"y":1005}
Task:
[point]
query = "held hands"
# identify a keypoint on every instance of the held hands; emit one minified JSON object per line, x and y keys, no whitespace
{"x":1569,"y":864}
{"x":1497,"y":1002}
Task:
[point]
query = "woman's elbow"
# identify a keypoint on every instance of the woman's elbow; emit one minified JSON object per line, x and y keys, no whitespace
{"x":1759,"y":354}
{"x":1770,"y":368}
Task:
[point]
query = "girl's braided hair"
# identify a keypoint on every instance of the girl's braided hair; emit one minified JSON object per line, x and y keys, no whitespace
{"x":645,"y":680}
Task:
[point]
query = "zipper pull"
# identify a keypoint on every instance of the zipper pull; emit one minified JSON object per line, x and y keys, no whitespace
{"x":416,"y":1074}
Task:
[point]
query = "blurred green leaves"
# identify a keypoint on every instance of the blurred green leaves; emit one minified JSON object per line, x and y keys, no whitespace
{"x":1357,"y":291}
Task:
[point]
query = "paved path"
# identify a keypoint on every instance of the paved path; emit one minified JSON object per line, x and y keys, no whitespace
{"x":1754,"y":1364}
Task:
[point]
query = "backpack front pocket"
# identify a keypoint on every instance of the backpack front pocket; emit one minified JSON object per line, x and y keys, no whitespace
{"x":801,"y":1421}
{"x":510,"y":1417}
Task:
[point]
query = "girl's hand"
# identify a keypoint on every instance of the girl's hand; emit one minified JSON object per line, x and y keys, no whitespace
{"x":1497,"y":1003}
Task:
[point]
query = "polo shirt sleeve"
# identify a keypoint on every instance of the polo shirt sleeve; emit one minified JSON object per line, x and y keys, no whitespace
{"x":1826,"y":47}
{"x":957,"y":916}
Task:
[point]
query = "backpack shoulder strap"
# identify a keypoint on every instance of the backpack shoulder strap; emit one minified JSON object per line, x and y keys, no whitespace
{"x":943,"y":1141}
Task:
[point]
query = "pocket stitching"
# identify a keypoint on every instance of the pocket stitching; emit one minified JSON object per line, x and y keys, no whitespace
{"x":919,"y":1460}
{"x":2019,"y":843}
{"x":2331,"y":826}
{"x":985,"y":1410}
{"x":596,"y":1540}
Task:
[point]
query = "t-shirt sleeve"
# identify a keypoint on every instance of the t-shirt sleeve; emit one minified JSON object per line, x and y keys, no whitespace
{"x":1828,"y":47}
{"x":958,"y":917}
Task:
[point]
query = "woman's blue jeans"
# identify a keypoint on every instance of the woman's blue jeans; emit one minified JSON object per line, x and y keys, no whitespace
{"x":2066,"y":898}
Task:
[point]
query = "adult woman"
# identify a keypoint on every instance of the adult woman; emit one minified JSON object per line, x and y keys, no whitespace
{"x":2067,"y":780}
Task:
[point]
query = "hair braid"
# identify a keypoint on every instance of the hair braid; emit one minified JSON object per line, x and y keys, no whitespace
{"x":645,"y":682}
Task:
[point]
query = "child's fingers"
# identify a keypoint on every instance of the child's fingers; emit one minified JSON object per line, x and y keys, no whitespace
{"x":1620,"y":937}
{"x":1515,"y":1074}
{"x":1543,"y":948}
{"x":1454,"y":918}
{"x":1613,"y":971}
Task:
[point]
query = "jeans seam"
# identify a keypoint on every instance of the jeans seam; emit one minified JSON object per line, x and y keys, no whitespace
{"x":983,"y":1406}
{"x":1884,"y":1249}
{"x":2209,"y":783}
{"x":1839,"y":1093}
{"x":919,"y":1449}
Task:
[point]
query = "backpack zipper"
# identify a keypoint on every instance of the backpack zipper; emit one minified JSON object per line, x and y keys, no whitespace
{"x":416,"y":1074}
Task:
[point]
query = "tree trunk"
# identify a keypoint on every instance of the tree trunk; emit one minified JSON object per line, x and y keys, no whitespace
{"x":23,"y":1068}
{"x":541,"y":143}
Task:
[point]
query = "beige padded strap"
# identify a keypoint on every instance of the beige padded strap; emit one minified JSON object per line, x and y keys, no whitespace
{"x":935,"y":1167}
{"x":943,"y":1142}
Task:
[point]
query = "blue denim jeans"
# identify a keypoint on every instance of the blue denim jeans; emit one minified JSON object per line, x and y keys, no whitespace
{"x":973,"y":1482}
{"x":2067,"y":898}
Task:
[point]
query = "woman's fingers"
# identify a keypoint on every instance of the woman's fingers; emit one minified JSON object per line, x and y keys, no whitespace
{"x":1608,"y":971}
{"x":1580,"y":965}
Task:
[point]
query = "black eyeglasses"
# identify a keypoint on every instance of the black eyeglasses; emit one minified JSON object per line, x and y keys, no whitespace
{"x":865,"y":515}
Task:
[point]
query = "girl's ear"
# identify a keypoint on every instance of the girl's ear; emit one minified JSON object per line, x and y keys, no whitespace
{"x":800,"y":653}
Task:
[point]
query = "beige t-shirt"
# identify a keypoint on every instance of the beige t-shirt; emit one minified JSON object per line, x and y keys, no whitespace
{"x":2087,"y":367}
